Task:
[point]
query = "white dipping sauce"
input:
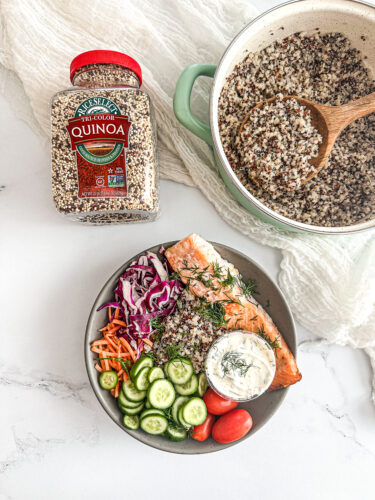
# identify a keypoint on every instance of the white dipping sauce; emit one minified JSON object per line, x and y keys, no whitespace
{"x":240,"y":365}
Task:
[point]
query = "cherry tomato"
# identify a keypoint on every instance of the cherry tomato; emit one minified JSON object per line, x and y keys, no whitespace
{"x":203,"y":431}
{"x":218,"y":405}
{"x":232,"y":426}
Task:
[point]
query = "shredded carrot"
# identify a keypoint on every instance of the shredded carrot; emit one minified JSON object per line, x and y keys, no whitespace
{"x":112,"y":346}
{"x":117,"y":390}
{"x":111,"y":342}
{"x":119,"y":322}
{"x":113,"y":330}
{"x":131,"y":352}
{"x":111,"y":354}
{"x":99,"y":342}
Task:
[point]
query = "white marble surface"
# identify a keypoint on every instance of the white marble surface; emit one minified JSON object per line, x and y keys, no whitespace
{"x":56,"y":441}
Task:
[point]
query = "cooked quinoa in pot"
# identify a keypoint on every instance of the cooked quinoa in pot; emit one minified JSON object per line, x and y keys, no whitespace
{"x":186,"y":333}
{"x":324,"y":68}
{"x":275,"y":144}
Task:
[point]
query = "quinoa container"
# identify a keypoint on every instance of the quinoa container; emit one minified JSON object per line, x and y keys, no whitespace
{"x":104,"y":164}
{"x":354,"y":19}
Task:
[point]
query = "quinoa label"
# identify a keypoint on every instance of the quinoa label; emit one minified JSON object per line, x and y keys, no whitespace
{"x":99,"y":136}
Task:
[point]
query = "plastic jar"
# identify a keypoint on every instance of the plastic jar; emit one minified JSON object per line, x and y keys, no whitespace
{"x":104,"y":165}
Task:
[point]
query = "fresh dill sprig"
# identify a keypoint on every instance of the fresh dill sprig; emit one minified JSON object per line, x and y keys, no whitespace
{"x":232,"y":361}
{"x":198,"y":274}
{"x":229,"y":281}
{"x":217,"y":271}
{"x":168,"y":415}
{"x":123,"y":362}
{"x":273,"y":343}
{"x":249,"y":288}
{"x":214,"y":312}
{"x":157,"y":327}
{"x":176,"y":275}
{"x":173,"y":351}
{"x":231,"y":300}
{"x":149,"y":354}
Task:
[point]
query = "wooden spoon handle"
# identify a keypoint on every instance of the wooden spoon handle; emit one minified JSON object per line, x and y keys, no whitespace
{"x":348,"y":113}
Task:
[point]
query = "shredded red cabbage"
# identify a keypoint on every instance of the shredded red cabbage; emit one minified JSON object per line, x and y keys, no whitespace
{"x":110,"y":304}
{"x":144,"y":292}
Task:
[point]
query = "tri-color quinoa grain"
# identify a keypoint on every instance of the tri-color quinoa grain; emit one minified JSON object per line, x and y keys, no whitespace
{"x":187,"y":333}
{"x":104,"y":165}
{"x":324,"y":68}
{"x":276,"y":143}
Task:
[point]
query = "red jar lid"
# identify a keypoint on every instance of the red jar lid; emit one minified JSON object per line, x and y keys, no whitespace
{"x":105,"y":57}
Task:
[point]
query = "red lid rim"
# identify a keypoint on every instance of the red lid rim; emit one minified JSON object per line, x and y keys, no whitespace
{"x":105,"y":57}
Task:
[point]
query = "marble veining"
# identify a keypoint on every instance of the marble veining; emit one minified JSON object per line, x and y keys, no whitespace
{"x":53,"y":384}
{"x":56,"y":442}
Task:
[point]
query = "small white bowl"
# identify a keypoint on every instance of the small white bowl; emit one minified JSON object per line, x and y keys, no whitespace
{"x":222,"y":339}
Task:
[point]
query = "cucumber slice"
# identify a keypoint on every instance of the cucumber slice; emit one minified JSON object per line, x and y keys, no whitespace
{"x":194,"y":412}
{"x":155,"y":373}
{"x":147,"y":404}
{"x":122,"y":408}
{"x":180,"y":370}
{"x":131,"y":422}
{"x":161,"y":394}
{"x":154,"y":424}
{"x":202,"y":384}
{"x":165,"y":368}
{"x":124,"y":401}
{"x":181,"y":419}
{"x":141,"y":380}
{"x":189,"y":388}
{"x":132,"y":393}
{"x":108,"y":380}
{"x":133,"y":411}
{"x":138,"y":365}
{"x":176,"y":433}
{"x":151,"y":411}
{"x":179,"y":403}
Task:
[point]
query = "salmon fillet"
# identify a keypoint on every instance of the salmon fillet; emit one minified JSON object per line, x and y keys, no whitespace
{"x":203,"y":269}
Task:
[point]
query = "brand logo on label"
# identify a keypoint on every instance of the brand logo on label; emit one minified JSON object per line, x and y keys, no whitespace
{"x":98,"y":121}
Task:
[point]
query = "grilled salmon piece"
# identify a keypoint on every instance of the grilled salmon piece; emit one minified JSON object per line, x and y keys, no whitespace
{"x":204,"y":270}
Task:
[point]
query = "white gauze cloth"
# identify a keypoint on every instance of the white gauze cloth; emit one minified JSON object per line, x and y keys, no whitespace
{"x":328,"y":281}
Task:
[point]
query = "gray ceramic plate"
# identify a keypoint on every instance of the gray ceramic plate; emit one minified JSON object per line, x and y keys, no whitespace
{"x":261,"y":409}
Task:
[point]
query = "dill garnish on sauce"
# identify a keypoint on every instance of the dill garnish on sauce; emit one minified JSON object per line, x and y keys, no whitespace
{"x":232,"y":362}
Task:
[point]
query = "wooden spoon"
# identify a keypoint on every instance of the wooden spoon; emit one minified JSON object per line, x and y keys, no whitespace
{"x":330,"y":121}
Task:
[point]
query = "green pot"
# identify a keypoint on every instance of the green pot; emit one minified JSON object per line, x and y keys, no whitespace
{"x":348,"y":16}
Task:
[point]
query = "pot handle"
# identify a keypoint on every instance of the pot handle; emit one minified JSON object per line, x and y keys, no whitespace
{"x":181,"y":100}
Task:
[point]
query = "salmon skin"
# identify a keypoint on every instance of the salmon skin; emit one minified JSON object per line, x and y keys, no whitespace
{"x":209,"y":276}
